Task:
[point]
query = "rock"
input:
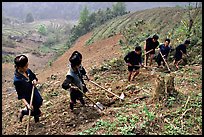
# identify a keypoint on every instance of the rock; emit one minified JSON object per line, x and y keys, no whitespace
{"x":53,"y":76}
{"x":11,"y":89}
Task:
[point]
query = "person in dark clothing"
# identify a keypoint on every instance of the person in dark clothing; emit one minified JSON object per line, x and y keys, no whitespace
{"x":180,"y":51}
{"x":74,"y":82}
{"x":164,"y":49}
{"x":134,"y":58}
{"x":150,"y":45}
{"x":82,"y":70}
{"x":24,"y":80}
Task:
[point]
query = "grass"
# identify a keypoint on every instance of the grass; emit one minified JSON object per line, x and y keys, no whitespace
{"x":7,"y":58}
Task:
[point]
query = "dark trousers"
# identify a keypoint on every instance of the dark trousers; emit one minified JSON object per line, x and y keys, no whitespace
{"x":35,"y":112}
{"x":75,"y":95}
{"x":159,"y":60}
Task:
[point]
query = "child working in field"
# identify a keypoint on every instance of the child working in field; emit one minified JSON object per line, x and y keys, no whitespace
{"x":164,"y":49}
{"x":134,"y":61}
{"x":24,"y":80}
{"x":180,"y":51}
{"x":74,"y":81}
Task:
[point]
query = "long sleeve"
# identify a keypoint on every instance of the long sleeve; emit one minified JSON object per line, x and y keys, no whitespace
{"x":33,"y":76}
{"x":126,"y":58}
{"x":82,"y":70}
{"x":67,"y":81}
{"x":20,"y":89}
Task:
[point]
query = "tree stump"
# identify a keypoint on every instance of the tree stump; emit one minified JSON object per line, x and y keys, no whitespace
{"x":169,"y":86}
{"x":160,"y":88}
{"x":164,"y":87}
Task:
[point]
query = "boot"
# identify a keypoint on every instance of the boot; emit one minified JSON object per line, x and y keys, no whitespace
{"x":82,"y":101}
{"x":36,"y":118}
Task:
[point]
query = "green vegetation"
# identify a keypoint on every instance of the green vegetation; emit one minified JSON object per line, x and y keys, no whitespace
{"x":137,"y":27}
{"x":7,"y":58}
{"x":89,"y":21}
{"x":42,"y":29}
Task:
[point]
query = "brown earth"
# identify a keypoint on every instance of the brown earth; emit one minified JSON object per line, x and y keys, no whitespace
{"x":93,"y":55}
{"x":58,"y":120}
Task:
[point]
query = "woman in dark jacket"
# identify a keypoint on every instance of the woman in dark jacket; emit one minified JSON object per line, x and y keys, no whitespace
{"x":24,"y":80}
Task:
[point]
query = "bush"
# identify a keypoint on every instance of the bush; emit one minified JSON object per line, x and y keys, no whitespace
{"x":52,"y":40}
{"x":42,"y":30}
{"x":7,"y":58}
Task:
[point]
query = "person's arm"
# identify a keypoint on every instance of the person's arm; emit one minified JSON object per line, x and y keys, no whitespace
{"x":34,"y":78}
{"x":159,"y":48}
{"x":67,"y":82}
{"x":184,"y":50}
{"x":127,"y":59}
{"x":20,"y":92}
{"x":82,"y":70}
{"x":145,"y":46}
{"x":27,"y":104}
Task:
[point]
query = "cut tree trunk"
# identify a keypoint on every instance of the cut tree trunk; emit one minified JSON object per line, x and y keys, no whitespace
{"x":164,"y":87}
{"x":160,"y":88}
{"x":169,"y":86}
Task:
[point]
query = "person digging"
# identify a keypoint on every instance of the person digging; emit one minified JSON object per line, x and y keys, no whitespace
{"x":74,"y":82}
{"x":180,"y":51}
{"x":164,"y":49}
{"x":24,"y":82}
{"x":82,"y":70}
{"x":149,"y":48}
{"x":133,"y":60}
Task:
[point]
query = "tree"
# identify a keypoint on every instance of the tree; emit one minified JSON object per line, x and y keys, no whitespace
{"x":29,"y":18}
{"x":42,"y":29}
{"x":84,"y":14}
{"x":119,"y":8}
{"x":193,"y":14}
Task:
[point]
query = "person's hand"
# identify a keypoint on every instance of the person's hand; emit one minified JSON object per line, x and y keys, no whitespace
{"x":74,"y":87}
{"x":129,"y":64}
{"x":34,"y":82}
{"x":141,"y":65}
{"x":87,"y":78}
{"x":29,"y":107}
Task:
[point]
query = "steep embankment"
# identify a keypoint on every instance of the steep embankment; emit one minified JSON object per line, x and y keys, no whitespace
{"x":93,"y":55}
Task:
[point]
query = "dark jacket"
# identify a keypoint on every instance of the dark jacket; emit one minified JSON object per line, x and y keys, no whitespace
{"x":164,"y":50}
{"x":24,"y":87}
{"x":133,"y":58}
{"x":151,"y":45}
{"x":178,"y":54}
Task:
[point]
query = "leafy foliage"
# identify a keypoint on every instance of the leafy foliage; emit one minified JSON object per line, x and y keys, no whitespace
{"x":42,"y":29}
{"x":89,"y":21}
